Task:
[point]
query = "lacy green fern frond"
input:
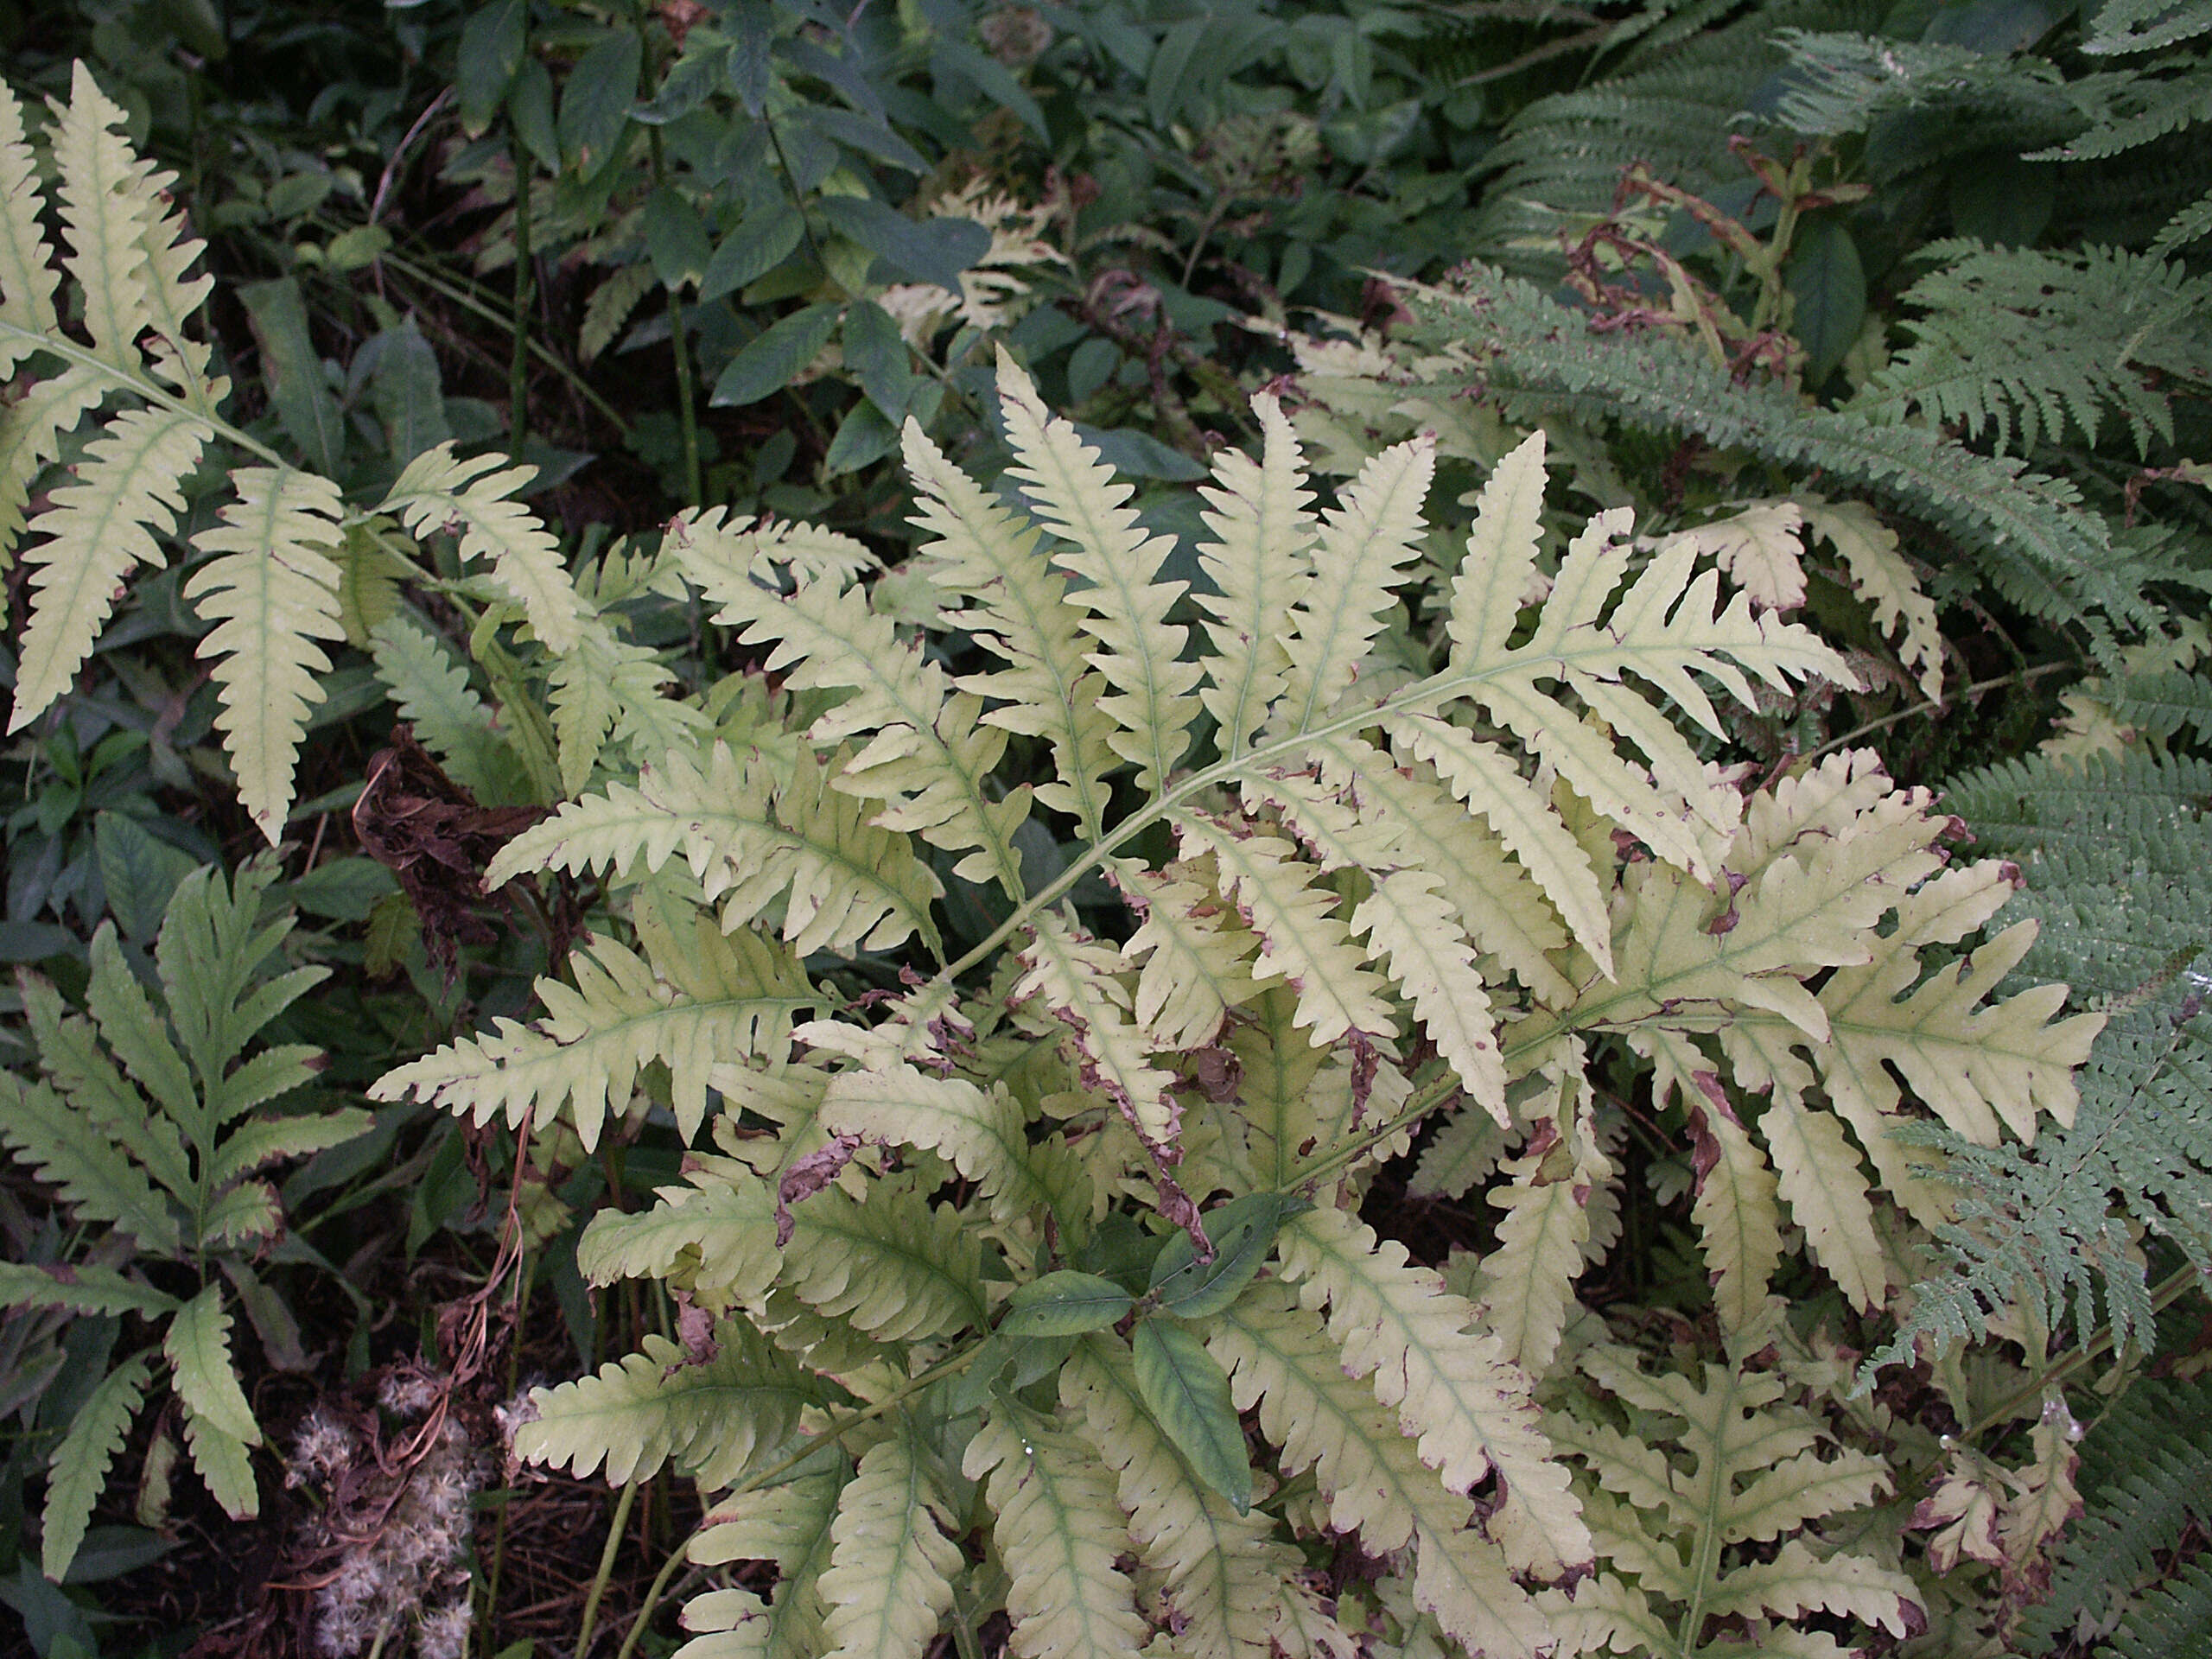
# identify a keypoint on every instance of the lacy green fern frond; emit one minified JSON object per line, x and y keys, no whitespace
{"x":2032,"y":345}
{"x":2028,"y":529}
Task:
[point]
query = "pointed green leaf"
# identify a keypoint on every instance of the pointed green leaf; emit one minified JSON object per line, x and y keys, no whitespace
{"x":1187,"y":1393}
{"x":1064,"y":1304}
{"x":78,"y":1469}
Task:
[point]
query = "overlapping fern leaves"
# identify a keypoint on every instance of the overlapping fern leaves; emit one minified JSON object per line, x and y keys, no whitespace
{"x":1501,"y":850}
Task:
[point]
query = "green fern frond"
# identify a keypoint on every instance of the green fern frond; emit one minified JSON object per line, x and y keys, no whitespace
{"x":272,"y":591}
{"x":69,"y":1153}
{"x":432,"y":687}
{"x":709,"y":1417}
{"x":608,"y":688}
{"x":78,"y":1469}
{"x":2032,"y":345}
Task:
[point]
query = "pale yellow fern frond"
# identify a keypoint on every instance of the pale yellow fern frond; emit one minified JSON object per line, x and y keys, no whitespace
{"x":1223,"y":1572}
{"x":1058,"y":1531}
{"x":1078,"y":979}
{"x":1079,"y":500}
{"x":661,"y":1405}
{"x":1259,"y":562}
{"x":716,"y":1233}
{"x":1454,"y":1389}
{"x":1359,"y":557}
{"x":895,"y":1268}
{"x":698,"y":1000}
{"x":889,"y":1583}
{"x":609,"y":688}
{"x":474,"y":498}
{"x":271,"y":593}
{"x":107,"y":203}
{"x":983,"y":1132}
{"x":1527,"y":1282}
{"x":928,"y":751}
{"x":1017,"y":608}
{"x":1280,"y":1359}
{"x":28,"y":276}
{"x":1194,"y":956}
{"x":749,"y":838}
{"x":99,"y":528}
{"x":789,"y":1525}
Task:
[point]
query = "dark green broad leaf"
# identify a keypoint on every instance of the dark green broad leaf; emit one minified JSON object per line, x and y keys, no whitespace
{"x":292,"y":373}
{"x":1242,"y":1233}
{"x":530,"y":109}
{"x":756,"y":247}
{"x":491,"y":45}
{"x":876,"y":352}
{"x":870,"y":137}
{"x":770,"y":363}
{"x":1366,"y":136}
{"x":863,"y":438}
{"x":957,"y":59}
{"x":1064,"y":1304}
{"x":923,"y":250}
{"x":691,"y":81}
{"x":1829,"y":286}
{"x":1187,"y":1393}
{"x":595,"y":103}
{"x":1170,"y":72}
{"x":676,"y":238}
{"x":140,"y":873}
{"x":748,"y":71}
{"x":409,"y":390}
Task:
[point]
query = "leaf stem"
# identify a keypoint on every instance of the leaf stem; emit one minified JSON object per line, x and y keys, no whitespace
{"x":607,"y":1555}
{"x":2170,"y":1290}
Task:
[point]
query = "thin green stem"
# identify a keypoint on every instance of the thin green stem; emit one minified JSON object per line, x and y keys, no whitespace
{"x":2019,"y":677}
{"x":657,"y":1588}
{"x":124,"y":379}
{"x":2170,"y":1290}
{"x":607,"y":1555}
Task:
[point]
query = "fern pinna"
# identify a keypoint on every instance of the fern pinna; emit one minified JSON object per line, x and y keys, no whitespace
{"x":1038,"y":1284}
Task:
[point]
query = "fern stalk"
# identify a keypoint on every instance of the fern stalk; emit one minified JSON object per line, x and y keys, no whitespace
{"x":607,"y":1555}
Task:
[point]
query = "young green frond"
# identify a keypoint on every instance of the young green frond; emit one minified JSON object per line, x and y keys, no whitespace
{"x":78,"y":1469}
{"x":271,"y":593}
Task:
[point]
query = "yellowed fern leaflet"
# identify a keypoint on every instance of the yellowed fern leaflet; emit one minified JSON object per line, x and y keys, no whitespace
{"x":27,"y":278}
{"x":98,"y":529}
{"x":272,"y":592}
{"x":1259,"y":562}
{"x":889,"y":1578}
{"x":473,"y":497}
{"x":107,"y":202}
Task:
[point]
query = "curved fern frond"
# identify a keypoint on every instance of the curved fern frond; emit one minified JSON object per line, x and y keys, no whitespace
{"x":430,"y":685}
{"x":271,"y":593}
{"x":1079,"y":498}
{"x":100,"y":527}
{"x":719,"y":1229}
{"x":749,"y":838}
{"x":889,"y":1583}
{"x":710,"y":1418}
{"x":1058,"y":1530}
{"x":77,"y":1472}
{"x":69,"y":1152}
{"x":608,"y":689}
{"x":696,"y":1003}
{"x":473,"y":498}
{"x":108,"y":201}
{"x":721,"y":558}
{"x":983,"y":1133}
{"x":791,"y":1526}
